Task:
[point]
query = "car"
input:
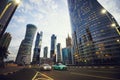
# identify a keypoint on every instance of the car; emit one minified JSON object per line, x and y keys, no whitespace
{"x":45,"y":67}
{"x":59,"y":66}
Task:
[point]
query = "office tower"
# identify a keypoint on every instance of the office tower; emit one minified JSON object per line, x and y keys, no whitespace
{"x":68,"y":41}
{"x":95,"y":34}
{"x":59,"y":53}
{"x":24,"y":53}
{"x":70,"y":49}
{"x":65,"y":56}
{"x":53,"y":48}
{"x":7,"y":9}
{"x":4,"y":44}
{"x":45,"y":52}
{"x":37,"y":49}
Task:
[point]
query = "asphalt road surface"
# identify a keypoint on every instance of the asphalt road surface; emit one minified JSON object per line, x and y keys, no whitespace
{"x":73,"y":73}
{"x":82,"y":74}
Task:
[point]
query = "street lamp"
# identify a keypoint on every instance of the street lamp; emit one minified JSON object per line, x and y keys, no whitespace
{"x":113,"y":25}
{"x":17,"y":1}
{"x":103,"y":11}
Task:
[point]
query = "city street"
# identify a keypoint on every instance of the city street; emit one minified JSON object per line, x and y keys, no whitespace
{"x":85,"y":73}
{"x":73,"y":73}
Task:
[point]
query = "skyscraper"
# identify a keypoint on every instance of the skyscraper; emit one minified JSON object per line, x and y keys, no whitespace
{"x":69,"y":49}
{"x":68,"y":41}
{"x":24,"y":53}
{"x":4,"y":44}
{"x":59,"y":53}
{"x":95,"y":37}
{"x":45,"y":52}
{"x":37,"y":49}
{"x":65,"y":56}
{"x":53,"y":48}
{"x":7,"y":9}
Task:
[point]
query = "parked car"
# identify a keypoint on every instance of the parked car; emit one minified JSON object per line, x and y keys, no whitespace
{"x":45,"y":67}
{"x":59,"y":66}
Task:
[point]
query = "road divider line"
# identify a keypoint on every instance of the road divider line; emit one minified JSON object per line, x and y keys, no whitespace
{"x":46,"y":76}
{"x":94,"y":76}
{"x":35,"y":76}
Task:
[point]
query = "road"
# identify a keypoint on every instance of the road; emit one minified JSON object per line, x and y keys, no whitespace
{"x":84,"y":74}
{"x":73,"y":73}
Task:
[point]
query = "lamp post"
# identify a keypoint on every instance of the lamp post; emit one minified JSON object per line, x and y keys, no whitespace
{"x":113,"y":23}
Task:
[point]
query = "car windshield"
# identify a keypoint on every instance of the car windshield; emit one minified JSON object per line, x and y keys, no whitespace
{"x":46,"y":65}
{"x":59,"y":64}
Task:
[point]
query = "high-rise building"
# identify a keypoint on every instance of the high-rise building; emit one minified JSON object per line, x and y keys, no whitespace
{"x":4,"y":44}
{"x":68,"y":41}
{"x":7,"y":9}
{"x":65,"y":56}
{"x":45,"y":52}
{"x":37,"y":49}
{"x":53,"y":48}
{"x":59,"y":53}
{"x":69,"y":49}
{"x":24,"y":53}
{"x":95,"y":34}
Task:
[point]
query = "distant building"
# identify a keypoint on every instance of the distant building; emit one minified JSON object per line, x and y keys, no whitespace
{"x":65,"y":56}
{"x":37,"y":49}
{"x":45,"y":52}
{"x":46,"y":61}
{"x":7,"y":9}
{"x":69,"y":47}
{"x":53,"y":48}
{"x":95,"y":37}
{"x":4,"y":44}
{"x":59,"y":53}
{"x":24,"y":53}
{"x":68,"y":41}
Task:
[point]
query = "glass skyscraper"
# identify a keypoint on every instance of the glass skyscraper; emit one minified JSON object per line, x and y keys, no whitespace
{"x":95,"y":36}
{"x":7,"y":9}
{"x":45,"y":52}
{"x":37,"y":49}
{"x":53,"y":48}
{"x":59,"y":53}
{"x":65,"y":55}
{"x":24,"y":53}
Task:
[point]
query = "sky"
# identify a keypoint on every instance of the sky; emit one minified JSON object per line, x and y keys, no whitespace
{"x":49,"y":16}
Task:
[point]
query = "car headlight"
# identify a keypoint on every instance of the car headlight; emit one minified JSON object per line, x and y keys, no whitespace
{"x":50,"y":67}
{"x":45,"y":67}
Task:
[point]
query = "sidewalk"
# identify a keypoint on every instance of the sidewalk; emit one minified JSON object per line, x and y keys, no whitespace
{"x":9,"y":69}
{"x":23,"y":74}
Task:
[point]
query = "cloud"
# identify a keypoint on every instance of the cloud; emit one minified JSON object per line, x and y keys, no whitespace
{"x":19,"y":19}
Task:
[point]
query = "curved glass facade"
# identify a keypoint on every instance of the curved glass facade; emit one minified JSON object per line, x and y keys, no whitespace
{"x":95,"y":39}
{"x":24,"y":53}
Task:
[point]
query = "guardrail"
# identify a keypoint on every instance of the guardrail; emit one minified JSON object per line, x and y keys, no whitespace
{"x":95,"y":67}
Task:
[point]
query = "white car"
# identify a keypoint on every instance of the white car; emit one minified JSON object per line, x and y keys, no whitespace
{"x":45,"y":67}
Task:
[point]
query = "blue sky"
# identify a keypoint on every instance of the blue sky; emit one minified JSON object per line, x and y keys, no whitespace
{"x":51,"y":17}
